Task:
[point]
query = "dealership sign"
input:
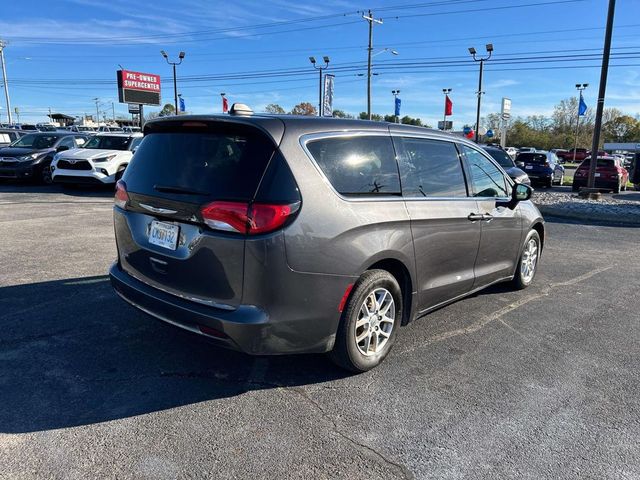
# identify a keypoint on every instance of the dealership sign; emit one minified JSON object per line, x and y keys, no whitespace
{"x":139,"y":88}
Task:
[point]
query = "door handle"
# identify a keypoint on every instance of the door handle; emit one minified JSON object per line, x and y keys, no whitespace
{"x":487,"y":217}
{"x":474,"y":217}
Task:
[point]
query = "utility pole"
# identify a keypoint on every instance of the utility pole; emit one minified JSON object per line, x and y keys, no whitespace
{"x":580,"y":87}
{"x":5,"y":81}
{"x":601,"y":93}
{"x":369,"y":18}
{"x":97,"y":100}
{"x":473,"y":52}
{"x":113,"y":112}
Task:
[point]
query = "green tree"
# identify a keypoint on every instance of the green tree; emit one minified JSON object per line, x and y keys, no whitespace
{"x":622,"y":128}
{"x":304,"y":108}
{"x":167,"y":110}
{"x":341,"y":114}
{"x":274,"y":108}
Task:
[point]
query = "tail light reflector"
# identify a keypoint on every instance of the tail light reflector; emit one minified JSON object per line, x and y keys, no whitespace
{"x":122,"y":197}
{"x":242,"y":217}
{"x":212,"y":332}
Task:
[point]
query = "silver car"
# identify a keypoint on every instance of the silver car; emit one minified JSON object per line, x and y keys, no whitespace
{"x":281,"y":234}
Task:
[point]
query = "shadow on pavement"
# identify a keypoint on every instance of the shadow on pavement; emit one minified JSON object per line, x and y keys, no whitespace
{"x":101,"y":191}
{"x":72,"y":353}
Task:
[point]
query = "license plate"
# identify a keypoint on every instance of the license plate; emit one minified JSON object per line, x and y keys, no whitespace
{"x":597,"y":174}
{"x":164,"y":235}
{"x":528,"y":167}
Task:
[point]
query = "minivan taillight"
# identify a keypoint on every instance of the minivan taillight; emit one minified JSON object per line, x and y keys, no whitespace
{"x":122,"y":197}
{"x":246,"y":218}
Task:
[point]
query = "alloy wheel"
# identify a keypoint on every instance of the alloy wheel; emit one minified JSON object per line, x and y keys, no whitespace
{"x":529,"y":260}
{"x":376,"y":320}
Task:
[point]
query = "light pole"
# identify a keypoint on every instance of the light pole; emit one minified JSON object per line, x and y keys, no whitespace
{"x":97,"y":100}
{"x":446,"y":92}
{"x":580,"y":87}
{"x":175,"y":81}
{"x":473,"y":52}
{"x":395,"y":103}
{"x":320,"y":68}
{"x":4,"y":81}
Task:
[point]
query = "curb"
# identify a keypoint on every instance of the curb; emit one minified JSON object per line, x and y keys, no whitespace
{"x":587,"y":218}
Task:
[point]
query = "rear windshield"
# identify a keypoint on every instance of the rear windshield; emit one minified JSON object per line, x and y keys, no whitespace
{"x":602,"y":163}
{"x":501,"y":157}
{"x":202,"y":165}
{"x":535,"y":158}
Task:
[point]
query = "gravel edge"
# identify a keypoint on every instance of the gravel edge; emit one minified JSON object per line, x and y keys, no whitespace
{"x":586,"y":217}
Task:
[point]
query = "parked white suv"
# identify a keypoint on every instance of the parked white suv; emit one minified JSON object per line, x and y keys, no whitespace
{"x":102,"y":160}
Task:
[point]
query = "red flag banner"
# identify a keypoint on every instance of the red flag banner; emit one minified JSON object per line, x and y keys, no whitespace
{"x":448,"y":106}
{"x":225,"y":105}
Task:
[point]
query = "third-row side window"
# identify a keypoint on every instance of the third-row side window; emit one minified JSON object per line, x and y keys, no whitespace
{"x":358,"y":165}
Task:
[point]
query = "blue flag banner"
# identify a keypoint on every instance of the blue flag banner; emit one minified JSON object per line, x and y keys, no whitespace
{"x":398,"y":104}
{"x":182,"y":107}
{"x":582,"y":108}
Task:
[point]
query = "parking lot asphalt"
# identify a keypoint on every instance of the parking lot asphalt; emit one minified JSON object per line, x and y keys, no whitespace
{"x":539,"y":383}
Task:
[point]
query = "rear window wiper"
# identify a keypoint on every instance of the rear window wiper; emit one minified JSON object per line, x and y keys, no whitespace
{"x":179,"y":190}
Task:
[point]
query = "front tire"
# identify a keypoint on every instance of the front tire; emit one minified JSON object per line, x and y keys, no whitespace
{"x":45,"y":175}
{"x":528,"y":261}
{"x":369,"y":322}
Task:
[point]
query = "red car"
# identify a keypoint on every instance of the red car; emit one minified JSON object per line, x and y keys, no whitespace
{"x":567,"y":156}
{"x":610,"y":175}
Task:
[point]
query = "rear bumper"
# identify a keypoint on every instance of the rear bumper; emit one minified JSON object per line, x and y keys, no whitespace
{"x":601,"y":184}
{"x":248,"y":328}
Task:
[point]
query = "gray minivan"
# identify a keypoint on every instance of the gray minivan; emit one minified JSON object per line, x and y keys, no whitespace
{"x":285,"y":234}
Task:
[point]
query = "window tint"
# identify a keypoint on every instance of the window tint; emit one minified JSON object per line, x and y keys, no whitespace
{"x":358,"y":165}
{"x":216,"y":166}
{"x":486,"y":179}
{"x":431,"y":168}
{"x":500,"y":156}
{"x":534,"y":158}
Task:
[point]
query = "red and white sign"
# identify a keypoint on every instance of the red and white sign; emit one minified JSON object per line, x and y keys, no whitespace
{"x":138,"y":88}
{"x":147,"y":82}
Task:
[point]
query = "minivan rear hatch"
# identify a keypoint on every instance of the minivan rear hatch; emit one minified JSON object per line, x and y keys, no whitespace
{"x":180,"y":167}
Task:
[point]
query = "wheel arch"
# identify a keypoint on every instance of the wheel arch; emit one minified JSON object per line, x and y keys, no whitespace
{"x":401,"y":273}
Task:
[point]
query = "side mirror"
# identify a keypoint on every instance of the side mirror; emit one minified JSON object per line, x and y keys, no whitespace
{"x":62,"y":148}
{"x":519,"y":193}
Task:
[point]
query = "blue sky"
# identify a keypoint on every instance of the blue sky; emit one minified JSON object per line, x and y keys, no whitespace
{"x":63,"y":54}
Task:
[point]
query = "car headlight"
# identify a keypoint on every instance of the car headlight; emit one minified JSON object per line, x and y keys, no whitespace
{"x":27,"y":158}
{"x":104,"y":159}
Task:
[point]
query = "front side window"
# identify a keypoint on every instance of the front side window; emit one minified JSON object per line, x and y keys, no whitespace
{"x":358,"y":166}
{"x":486,"y":179}
{"x":67,"y":142}
{"x":431,"y":168}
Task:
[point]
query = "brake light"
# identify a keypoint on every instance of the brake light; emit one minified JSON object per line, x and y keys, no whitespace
{"x":242,"y":217}
{"x":122,"y":197}
{"x":547,"y":164}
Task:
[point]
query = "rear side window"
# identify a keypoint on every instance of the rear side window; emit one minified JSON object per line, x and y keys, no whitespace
{"x":431,"y":168}
{"x":205,"y":165}
{"x":486,"y":179}
{"x":362,"y":165}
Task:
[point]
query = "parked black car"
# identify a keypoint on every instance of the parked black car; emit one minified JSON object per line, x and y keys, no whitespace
{"x":30,"y":156}
{"x":290,"y":234}
{"x":506,"y":162}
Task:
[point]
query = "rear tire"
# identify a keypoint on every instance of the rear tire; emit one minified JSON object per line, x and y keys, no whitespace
{"x":528,"y":261}
{"x":617,"y":188}
{"x":574,"y":188}
{"x":369,"y":322}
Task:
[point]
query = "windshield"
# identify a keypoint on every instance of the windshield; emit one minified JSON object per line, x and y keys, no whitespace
{"x":35,"y":141}
{"x":500,"y":156}
{"x":108,"y":142}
